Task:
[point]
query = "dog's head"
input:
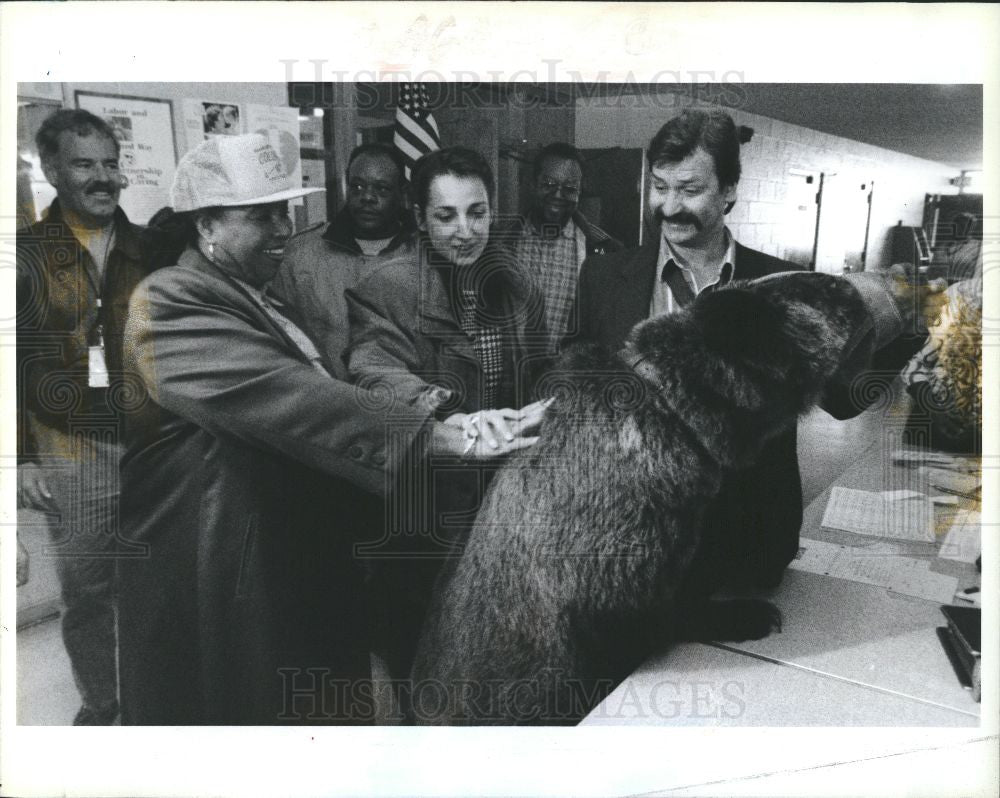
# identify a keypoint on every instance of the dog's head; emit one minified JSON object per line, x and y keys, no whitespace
{"x":737,"y":324}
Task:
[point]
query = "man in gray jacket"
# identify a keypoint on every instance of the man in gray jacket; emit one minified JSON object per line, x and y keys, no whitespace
{"x":319,"y":265}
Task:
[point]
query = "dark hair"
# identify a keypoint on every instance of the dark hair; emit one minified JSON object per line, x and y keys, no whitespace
{"x":170,"y":233}
{"x":713,"y":131}
{"x":558,"y":150}
{"x":380,"y":150}
{"x":81,"y":122}
{"x":458,"y":161}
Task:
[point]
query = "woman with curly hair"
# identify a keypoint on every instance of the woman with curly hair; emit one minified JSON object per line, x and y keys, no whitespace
{"x":945,"y":378}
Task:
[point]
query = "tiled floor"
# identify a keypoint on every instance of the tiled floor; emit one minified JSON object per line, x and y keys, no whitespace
{"x":47,"y":695}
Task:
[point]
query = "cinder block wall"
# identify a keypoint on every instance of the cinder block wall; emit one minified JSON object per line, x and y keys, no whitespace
{"x":901,"y":180}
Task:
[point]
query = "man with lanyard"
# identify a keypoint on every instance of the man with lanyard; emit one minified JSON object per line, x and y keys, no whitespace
{"x":750,"y":533}
{"x":319,"y":266}
{"x":75,"y":271}
{"x":552,"y":241}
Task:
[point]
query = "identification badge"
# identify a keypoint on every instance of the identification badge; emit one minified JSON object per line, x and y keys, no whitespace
{"x":97,"y":368}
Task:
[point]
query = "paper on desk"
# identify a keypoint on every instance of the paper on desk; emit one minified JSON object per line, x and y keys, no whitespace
{"x":899,"y":495}
{"x":963,"y":543}
{"x":875,"y":565}
{"x":865,"y":513}
{"x":953,"y":480}
{"x":941,"y":459}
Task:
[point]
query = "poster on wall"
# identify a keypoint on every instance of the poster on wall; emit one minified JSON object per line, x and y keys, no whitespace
{"x":145,"y":132}
{"x":50,"y":92}
{"x":204,"y":119}
{"x":281,"y":126}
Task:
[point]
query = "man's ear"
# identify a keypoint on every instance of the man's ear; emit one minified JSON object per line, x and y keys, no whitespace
{"x":418,"y":217}
{"x":729,"y":192}
{"x":205,"y":225}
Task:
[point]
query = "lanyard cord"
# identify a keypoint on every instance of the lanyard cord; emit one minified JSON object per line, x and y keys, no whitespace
{"x":100,"y":286}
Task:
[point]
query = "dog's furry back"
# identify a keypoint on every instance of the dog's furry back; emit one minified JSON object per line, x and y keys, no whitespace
{"x":582,"y":540}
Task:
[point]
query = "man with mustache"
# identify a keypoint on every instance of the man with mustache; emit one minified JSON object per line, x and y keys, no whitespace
{"x":751,"y":531}
{"x":553,"y":239}
{"x":75,"y":271}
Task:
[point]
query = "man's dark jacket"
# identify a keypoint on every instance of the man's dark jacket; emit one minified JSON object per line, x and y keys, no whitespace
{"x":58,"y":319}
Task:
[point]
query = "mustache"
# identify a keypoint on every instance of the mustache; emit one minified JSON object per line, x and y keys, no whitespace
{"x":105,"y":186}
{"x":682,"y":218}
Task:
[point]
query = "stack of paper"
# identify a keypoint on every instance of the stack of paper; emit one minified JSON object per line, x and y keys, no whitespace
{"x":953,"y":481}
{"x":963,"y":543}
{"x":875,"y":565}
{"x":909,"y":516}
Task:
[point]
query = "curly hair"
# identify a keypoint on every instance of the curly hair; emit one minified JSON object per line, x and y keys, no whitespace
{"x":960,"y":360}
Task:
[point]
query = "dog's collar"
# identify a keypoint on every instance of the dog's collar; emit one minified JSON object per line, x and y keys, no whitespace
{"x":640,"y":365}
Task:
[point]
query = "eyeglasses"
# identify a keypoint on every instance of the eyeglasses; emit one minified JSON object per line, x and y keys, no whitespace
{"x":550,"y":187}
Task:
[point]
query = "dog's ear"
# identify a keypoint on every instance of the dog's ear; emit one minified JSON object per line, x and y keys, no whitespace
{"x":738,"y":322}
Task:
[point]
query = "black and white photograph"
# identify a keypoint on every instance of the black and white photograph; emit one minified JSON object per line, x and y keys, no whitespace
{"x":630,"y":423}
{"x":220,"y":119}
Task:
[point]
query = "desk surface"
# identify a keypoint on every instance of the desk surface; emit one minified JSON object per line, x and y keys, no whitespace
{"x":848,"y":654}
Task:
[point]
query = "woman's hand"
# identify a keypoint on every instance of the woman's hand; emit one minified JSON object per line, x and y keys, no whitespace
{"x":532,"y":415}
{"x":461,"y":435}
{"x":495,"y":426}
{"x":32,"y":492}
{"x":487,"y":426}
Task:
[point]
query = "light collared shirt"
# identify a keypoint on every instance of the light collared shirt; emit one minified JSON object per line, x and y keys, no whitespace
{"x":373,"y":246}
{"x":663,"y":300}
{"x":293,"y":331}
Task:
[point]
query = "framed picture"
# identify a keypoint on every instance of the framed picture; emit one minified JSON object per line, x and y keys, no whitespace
{"x":144,"y":128}
{"x":204,"y":119}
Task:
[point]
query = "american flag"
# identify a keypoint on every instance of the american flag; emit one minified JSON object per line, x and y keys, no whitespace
{"x":416,"y":132}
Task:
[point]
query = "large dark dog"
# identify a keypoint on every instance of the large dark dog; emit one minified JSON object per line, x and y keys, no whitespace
{"x":567,"y":579}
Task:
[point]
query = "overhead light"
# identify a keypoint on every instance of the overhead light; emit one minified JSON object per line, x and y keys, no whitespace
{"x":318,"y":112}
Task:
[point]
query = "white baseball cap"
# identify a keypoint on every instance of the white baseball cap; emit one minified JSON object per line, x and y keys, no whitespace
{"x":232,"y":170}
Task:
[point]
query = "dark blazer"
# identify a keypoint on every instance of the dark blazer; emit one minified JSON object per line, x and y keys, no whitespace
{"x":752,"y":530}
{"x":615,"y":289}
{"x":243,"y":475}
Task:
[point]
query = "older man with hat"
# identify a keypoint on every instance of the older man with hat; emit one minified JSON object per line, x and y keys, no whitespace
{"x":243,"y":474}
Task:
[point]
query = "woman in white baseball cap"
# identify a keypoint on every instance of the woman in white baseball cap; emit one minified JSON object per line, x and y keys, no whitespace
{"x":249,"y":476}
{"x":235,"y":190}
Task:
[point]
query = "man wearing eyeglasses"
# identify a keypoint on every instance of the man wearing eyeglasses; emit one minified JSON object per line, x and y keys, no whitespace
{"x":553,"y":240}
{"x":319,"y":265}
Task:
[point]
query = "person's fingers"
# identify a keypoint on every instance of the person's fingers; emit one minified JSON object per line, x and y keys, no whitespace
{"x":500,"y":426}
{"x":522,"y":443}
{"x":31,"y":497}
{"x":457,"y":420}
{"x":531,"y":422}
{"x":487,"y":435}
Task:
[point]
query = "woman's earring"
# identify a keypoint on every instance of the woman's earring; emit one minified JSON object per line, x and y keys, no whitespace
{"x":211,"y":251}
